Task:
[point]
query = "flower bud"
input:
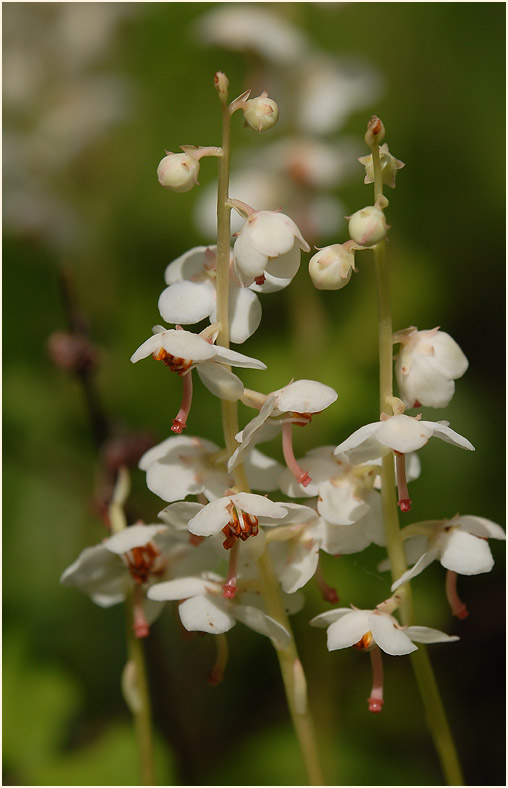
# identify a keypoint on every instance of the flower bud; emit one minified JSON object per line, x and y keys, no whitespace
{"x":178,"y":171}
{"x":331,"y":267}
{"x":221,"y":83}
{"x":261,"y":112}
{"x":375,"y":133}
{"x":368,"y":226}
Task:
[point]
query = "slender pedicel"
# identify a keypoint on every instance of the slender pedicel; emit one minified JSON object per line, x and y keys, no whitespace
{"x":217,"y":672}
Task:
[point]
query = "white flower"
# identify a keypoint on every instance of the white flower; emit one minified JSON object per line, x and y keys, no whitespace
{"x":459,"y":544}
{"x":178,"y":171}
{"x":268,"y":242}
{"x":191,"y":294}
{"x":426,"y":366}
{"x":389,"y":166}
{"x":368,"y":628}
{"x":205,"y":609}
{"x":368,"y":226}
{"x":182,"y":350}
{"x":295,"y":402}
{"x":399,"y":433}
{"x":331,"y":267}
{"x":237,"y":516}
{"x":143,"y":553}
{"x":261,"y":113}
{"x":184,"y":465}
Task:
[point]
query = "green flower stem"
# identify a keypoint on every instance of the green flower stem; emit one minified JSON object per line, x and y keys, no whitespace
{"x":290,"y":665}
{"x":434,"y":710}
{"x":141,"y":710}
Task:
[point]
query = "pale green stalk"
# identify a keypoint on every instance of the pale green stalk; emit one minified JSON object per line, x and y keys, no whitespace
{"x":141,"y":709}
{"x":290,"y":665}
{"x":435,"y":714}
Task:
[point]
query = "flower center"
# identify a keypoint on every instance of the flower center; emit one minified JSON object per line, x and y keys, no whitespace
{"x":241,"y":526}
{"x":175,"y":363}
{"x":141,"y":562}
{"x":365,"y":642}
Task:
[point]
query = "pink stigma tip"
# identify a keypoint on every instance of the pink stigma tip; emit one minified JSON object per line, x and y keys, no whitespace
{"x":304,"y":479}
{"x":178,"y":426}
{"x":461,"y":613}
{"x":331,"y":596}
{"x":214,"y":677}
{"x":405,"y":504}
{"x":375,"y":704}
{"x":141,"y":629}
{"x":229,"y":591}
{"x":260,"y":280}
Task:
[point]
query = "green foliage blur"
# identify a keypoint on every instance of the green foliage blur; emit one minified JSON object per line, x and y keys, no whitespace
{"x":65,"y":722}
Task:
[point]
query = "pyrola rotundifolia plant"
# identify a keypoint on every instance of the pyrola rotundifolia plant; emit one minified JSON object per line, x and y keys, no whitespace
{"x":225,"y":549}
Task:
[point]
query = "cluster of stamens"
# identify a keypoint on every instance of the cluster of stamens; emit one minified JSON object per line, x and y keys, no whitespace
{"x":365,"y":642}
{"x":241,"y":526}
{"x":175,"y":363}
{"x":141,"y":562}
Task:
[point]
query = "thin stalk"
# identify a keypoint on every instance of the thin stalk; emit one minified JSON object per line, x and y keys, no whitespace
{"x":290,"y":665}
{"x":434,"y":710}
{"x":141,"y":711}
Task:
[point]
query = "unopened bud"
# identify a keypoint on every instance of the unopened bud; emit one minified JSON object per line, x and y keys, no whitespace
{"x":368,"y":226}
{"x":178,"y":171}
{"x":221,"y":83}
{"x":261,"y":112}
{"x":375,"y":133}
{"x":331,"y":267}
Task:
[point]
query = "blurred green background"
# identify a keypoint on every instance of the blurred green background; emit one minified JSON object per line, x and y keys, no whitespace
{"x":91,"y":99}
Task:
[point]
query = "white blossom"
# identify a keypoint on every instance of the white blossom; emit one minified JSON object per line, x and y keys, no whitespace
{"x":426,"y":366}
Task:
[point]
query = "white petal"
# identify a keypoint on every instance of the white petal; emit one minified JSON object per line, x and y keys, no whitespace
{"x":294,"y":564}
{"x":172,"y":482}
{"x":390,"y":639}
{"x":262,"y":471}
{"x":189,"y":265}
{"x":258,"y":621}
{"x":181,"y":588}
{"x":404,"y":434}
{"x":206,"y":614}
{"x":152,"y":345}
{"x":133,"y":536}
{"x":424,"y":561}
{"x":279,"y":272}
{"x":271,"y":233}
{"x":348,"y":630}
{"x":249,"y":261}
{"x":247,"y":436}
{"x":480,"y":526}
{"x":448,"y":435}
{"x":179,"y":514}
{"x":466,"y":554}
{"x":258,"y":505}
{"x":244,"y":314}
{"x":187,"y":302}
{"x":338,"y":503}
{"x":211,"y":519}
{"x":362,"y":444}
{"x":344,"y":539}
{"x":228,"y":356}
{"x":425,"y":384}
{"x":448,"y":357}
{"x":428,"y":635}
{"x":220,"y":381}
{"x":98,"y":573}
{"x":171,"y":449}
{"x":329,"y":617}
{"x":185,"y":344}
{"x":305,"y":396}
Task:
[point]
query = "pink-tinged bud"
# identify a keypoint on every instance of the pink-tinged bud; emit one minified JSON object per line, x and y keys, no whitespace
{"x":221,"y":83}
{"x":261,"y":113}
{"x":367,"y":227}
{"x":178,"y":172}
{"x":331,"y":267}
{"x":375,"y":133}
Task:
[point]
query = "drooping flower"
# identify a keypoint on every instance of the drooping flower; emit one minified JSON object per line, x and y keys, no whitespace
{"x":185,"y":465}
{"x":268,"y":242}
{"x":142,"y":553}
{"x":460,"y":545}
{"x":368,"y":226}
{"x":400,"y":434}
{"x":293,"y":404}
{"x":426,"y":366}
{"x":182,"y":351}
{"x":331,"y":267}
{"x":372,"y":630}
{"x":205,"y":609}
{"x":191,"y":294}
{"x":261,"y":112}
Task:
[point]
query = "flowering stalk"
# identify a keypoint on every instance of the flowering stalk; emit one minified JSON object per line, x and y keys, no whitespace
{"x":141,"y":708}
{"x":435,"y":713}
{"x":290,"y":665}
